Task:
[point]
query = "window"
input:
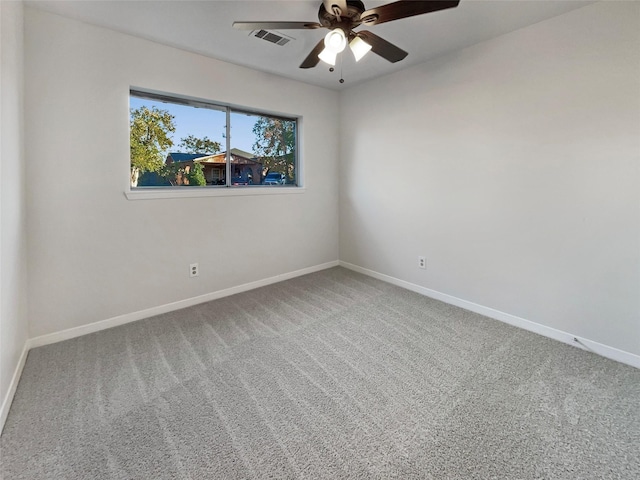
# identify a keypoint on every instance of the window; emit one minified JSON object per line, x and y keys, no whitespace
{"x":177,"y":142}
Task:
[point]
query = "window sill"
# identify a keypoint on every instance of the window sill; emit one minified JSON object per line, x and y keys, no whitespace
{"x":150,"y":193}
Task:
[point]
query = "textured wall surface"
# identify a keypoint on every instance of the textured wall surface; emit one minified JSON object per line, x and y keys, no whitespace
{"x":93,"y":253}
{"x":513,"y":166}
{"x":13,"y":254}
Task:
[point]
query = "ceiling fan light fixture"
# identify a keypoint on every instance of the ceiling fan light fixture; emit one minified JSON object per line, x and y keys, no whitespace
{"x":335,"y":40}
{"x":328,"y":56}
{"x":359,"y":47}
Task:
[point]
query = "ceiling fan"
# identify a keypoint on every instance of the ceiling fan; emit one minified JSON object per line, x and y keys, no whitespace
{"x":341,"y":17}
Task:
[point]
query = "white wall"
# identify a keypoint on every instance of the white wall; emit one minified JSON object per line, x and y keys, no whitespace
{"x":513,"y":166}
{"x":93,"y":254}
{"x":13,"y":259}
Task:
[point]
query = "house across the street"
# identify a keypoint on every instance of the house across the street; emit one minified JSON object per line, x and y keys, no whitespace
{"x":244,"y":166}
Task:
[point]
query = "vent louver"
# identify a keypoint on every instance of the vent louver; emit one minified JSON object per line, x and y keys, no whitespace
{"x":272,"y":37}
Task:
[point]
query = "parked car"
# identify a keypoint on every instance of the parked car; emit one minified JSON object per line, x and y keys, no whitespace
{"x":241,"y":181}
{"x":274,"y":178}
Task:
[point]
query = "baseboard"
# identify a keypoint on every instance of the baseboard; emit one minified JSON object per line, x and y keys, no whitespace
{"x":8,"y":398}
{"x":565,"y":337}
{"x":169,"y":307}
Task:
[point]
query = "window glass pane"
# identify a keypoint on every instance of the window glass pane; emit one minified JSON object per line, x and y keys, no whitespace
{"x":176,"y":145}
{"x":263,"y":149}
{"x":178,"y":142}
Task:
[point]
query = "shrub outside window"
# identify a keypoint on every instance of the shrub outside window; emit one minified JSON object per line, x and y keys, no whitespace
{"x":177,"y":142}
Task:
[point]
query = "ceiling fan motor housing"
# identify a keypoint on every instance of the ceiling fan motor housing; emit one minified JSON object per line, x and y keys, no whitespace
{"x":346,"y":21}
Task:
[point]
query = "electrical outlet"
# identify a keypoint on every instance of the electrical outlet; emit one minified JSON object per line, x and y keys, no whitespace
{"x":422,"y":262}
{"x":194,"y":270}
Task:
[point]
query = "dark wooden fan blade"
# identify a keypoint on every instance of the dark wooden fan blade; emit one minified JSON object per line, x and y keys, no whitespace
{"x":312,"y":59}
{"x":275,"y":25}
{"x":404,"y":9}
{"x":341,"y":4}
{"x":380,"y":46}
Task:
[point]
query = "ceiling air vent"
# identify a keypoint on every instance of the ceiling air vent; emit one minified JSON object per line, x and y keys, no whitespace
{"x":272,"y":37}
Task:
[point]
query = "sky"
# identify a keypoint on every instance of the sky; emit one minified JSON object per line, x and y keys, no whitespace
{"x":204,"y":122}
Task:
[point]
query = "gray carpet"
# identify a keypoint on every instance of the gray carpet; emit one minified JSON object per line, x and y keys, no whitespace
{"x":331,"y":375}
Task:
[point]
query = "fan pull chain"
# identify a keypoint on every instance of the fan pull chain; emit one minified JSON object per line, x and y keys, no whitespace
{"x":341,"y":79}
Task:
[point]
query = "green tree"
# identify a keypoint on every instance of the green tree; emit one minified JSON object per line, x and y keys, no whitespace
{"x":275,"y":144}
{"x":192,"y":175}
{"x":178,"y":174}
{"x":193,"y":144}
{"x":150,"y":130}
{"x":196,"y":175}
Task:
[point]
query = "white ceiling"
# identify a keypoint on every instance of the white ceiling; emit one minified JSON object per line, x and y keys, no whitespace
{"x":205,"y":27}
